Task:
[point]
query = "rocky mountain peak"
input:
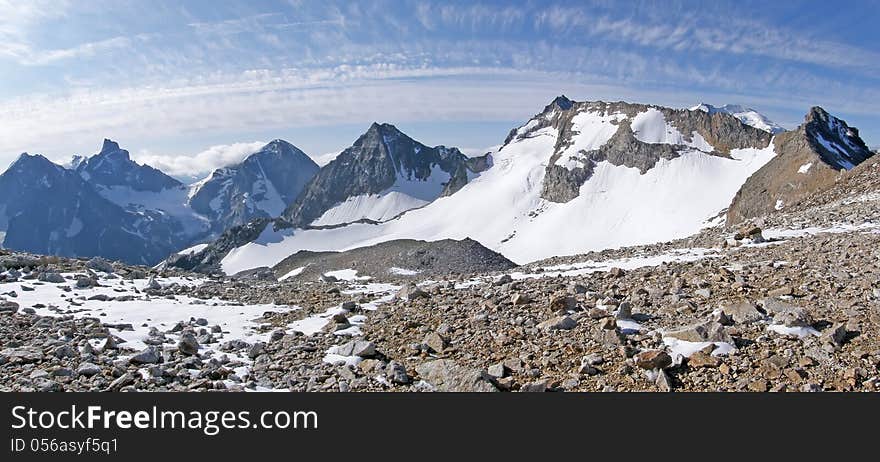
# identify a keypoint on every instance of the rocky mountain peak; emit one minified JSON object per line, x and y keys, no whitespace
{"x":560,"y":102}
{"x":112,"y":166}
{"x":32,"y":163}
{"x":111,"y":147}
{"x":261,"y":186}
{"x":808,"y":161}
{"x":382,"y":161}
{"x":838,"y":144}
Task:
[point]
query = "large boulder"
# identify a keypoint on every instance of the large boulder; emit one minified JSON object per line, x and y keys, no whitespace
{"x":448,"y":376}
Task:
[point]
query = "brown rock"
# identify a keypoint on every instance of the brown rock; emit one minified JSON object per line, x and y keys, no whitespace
{"x":653,"y":359}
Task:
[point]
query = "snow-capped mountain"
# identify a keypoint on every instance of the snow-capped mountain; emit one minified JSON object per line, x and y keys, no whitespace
{"x":108,"y":205}
{"x":261,"y":186}
{"x":747,"y":115}
{"x":142,"y":189}
{"x":809,"y":160}
{"x":47,"y":209}
{"x":383,"y":174}
{"x":113,"y":167}
{"x":578,"y":176}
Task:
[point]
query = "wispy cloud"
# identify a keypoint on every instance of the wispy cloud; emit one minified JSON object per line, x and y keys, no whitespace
{"x":164,"y":70}
{"x":188,"y":165}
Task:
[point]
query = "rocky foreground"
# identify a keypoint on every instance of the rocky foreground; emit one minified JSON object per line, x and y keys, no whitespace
{"x":798,"y":314}
{"x":787,"y":303}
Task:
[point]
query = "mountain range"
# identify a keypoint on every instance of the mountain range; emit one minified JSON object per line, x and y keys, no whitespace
{"x":577,"y":176}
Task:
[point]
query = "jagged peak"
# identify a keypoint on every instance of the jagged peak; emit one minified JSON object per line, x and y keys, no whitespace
{"x":26,"y":160}
{"x":111,"y":149}
{"x":817,"y":113}
{"x":561,"y":102}
{"x":383,"y":128}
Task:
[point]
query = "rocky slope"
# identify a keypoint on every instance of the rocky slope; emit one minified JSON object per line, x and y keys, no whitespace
{"x":808,"y":160}
{"x":261,"y":186}
{"x":631,"y":135}
{"x":403,"y":259}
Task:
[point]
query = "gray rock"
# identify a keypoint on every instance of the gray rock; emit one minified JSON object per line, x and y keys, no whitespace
{"x":396,"y":373}
{"x":51,"y":277}
{"x":435,"y":342}
{"x":663,"y":382}
{"x":100,"y":264}
{"x":411,"y":292}
{"x":22,"y":355}
{"x":534,"y":387}
{"x":122,"y":381}
{"x":504,"y":279}
{"x":88,"y":369}
{"x":8,"y":306}
{"x":624,"y":311}
{"x":361,"y":348}
{"x":446,"y":375}
{"x":794,"y":317}
{"x":150,"y":355}
{"x":109,"y":344}
{"x":84,"y":282}
{"x":744,"y":312}
{"x":256,"y":350}
{"x":153,"y":284}
{"x":837,"y":335}
{"x":558,"y":323}
{"x":188,"y":344}
{"x":497,"y":370}
{"x":234,"y":345}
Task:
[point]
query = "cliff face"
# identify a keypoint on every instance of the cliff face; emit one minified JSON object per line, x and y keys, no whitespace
{"x":808,"y":160}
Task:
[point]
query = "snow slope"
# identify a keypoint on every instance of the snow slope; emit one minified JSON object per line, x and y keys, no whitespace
{"x":747,"y":115}
{"x":502,"y":208}
{"x":172,"y":201}
{"x":405,"y":194}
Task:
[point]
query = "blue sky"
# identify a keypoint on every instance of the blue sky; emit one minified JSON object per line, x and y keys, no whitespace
{"x":190,"y":85}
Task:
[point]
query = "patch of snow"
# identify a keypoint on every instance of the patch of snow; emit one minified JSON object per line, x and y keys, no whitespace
{"x":842,"y":157}
{"x":779,"y":204}
{"x":403,"y":271}
{"x":193,"y":250}
{"x":295,"y":272}
{"x":591,"y":131}
{"x":376,"y":207}
{"x":746,"y":115}
{"x":805,"y":168}
{"x":680,"y":349}
{"x":172,"y":201}
{"x":799,"y":332}
{"x":347,"y":275}
{"x":628,"y":326}
{"x":76,"y":225}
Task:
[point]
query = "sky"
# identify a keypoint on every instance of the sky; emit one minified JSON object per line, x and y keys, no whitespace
{"x":188,"y":86}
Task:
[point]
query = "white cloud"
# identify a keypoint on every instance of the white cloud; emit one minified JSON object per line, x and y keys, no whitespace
{"x":30,"y":57}
{"x":199,"y":163}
